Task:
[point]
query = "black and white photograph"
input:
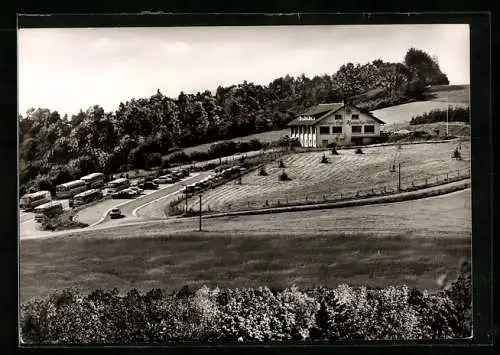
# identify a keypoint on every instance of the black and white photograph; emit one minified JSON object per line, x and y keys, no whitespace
{"x":291,"y":184}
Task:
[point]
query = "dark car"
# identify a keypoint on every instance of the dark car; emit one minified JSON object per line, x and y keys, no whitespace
{"x":148,"y":185}
{"x":121,"y":194}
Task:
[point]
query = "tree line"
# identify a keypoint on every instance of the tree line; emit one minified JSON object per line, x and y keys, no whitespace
{"x":55,"y":149}
{"x":454,"y":114}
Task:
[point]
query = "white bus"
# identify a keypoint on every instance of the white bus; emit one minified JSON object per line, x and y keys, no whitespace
{"x":48,"y":210}
{"x":86,"y":197}
{"x":94,"y":180}
{"x":70,"y":189}
{"x":30,"y":201}
{"x":118,"y":185}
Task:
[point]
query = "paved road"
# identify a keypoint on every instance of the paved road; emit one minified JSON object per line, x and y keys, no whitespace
{"x":98,"y":213}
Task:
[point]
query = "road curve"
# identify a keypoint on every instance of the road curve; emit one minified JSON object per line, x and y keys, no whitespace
{"x":127,"y":207}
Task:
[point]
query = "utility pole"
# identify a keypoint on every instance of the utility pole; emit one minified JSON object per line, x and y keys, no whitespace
{"x":447,"y":109}
{"x":186,"y":193}
{"x":200,"y":212}
{"x":399,"y":178}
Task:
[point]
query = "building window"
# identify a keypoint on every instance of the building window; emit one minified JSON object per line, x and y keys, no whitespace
{"x":324,"y":130}
{"x":370,"y":129}
{"x":355,"y":117}
{"x":338,"y":117}
{"x":336,"y":129}
{"x":356,"y":129}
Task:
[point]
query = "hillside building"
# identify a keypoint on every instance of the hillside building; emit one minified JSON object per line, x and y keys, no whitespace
{"x":339,"y":123}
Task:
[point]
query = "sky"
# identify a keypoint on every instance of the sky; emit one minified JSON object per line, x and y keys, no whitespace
{"x":72,"y":69}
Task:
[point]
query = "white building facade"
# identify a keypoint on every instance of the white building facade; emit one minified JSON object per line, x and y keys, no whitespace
{"x":336,"y":123}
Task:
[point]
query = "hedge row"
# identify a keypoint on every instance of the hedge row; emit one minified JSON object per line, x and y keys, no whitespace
{"x":249,"y":315}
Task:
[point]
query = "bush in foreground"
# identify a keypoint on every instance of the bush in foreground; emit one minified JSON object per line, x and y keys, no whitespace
{"x":249,"y":315}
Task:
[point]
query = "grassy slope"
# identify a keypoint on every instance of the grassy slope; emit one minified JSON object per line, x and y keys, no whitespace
{"x":345,"y":173}
{"x":372,"y":245}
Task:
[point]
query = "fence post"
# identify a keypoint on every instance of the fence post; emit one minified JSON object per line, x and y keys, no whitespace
{"x":446,"y":176}
{"x":425,"y":181}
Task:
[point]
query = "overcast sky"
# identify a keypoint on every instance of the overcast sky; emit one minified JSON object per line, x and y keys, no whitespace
{"x":72,"y":69}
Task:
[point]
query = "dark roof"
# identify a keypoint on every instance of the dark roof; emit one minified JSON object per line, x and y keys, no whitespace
{"x":318,"y":112}
{"x":321,"y":109}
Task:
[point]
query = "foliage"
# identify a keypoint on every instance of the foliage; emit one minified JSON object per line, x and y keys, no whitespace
{"x":454,"y":114}
{"x":153,"y":160}
{"x":262,"y":171}
{"x":284,"y":176}
{"x":359,"y":151}
{"x":334,"y":151}
{"x":63,"y":221}
{"x":324,"y":159}
{"x":248,"y":315}
{"x":456,"y":154}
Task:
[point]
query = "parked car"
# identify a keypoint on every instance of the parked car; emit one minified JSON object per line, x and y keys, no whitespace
{"x":122,"y":194}
{"x":115,"y":213}
{"x":132,"y":192}
{"x":138,"y":190}
{"x":165,"y":180}
{"x":148,"y":185}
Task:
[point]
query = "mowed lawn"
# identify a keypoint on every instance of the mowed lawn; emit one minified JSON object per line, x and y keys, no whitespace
{"x":411,"y":242}
{"x":345,"y":173}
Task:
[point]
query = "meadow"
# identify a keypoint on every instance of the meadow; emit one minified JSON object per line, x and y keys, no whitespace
{"x":344,"y":173}
{"x":412,"y":243}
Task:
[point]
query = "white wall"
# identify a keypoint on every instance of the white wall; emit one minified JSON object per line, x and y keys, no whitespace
{"x":346,"y":122}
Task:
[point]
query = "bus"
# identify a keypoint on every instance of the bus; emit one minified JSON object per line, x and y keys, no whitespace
{"x":30,"y":201}
{"x":87,"y":196}
{"x":94,"y":180}
{"x":118,"y":185}
{"x":47,"y":210}
{"x":70,"y":189}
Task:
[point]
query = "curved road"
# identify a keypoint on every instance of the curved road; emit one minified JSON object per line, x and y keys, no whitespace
{"x":98,"y":214}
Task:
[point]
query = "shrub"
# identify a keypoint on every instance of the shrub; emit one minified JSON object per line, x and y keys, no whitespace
{"x":281,"y":164}
{"x":334,"y":151}
{"x":153,"y":160}
{"x":255,"y":144}
{"x":243,"y":147}
{"x":178,"y":158}
{"x":262,"y":171}
{"x":324,"y":159}
{"x":165,"y":164}
{"x":457,"y":154}
{"x":359,"y":151}
{"x":284,"y":176}
{"x":199,"y":156}
{"x":43,"y":183}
